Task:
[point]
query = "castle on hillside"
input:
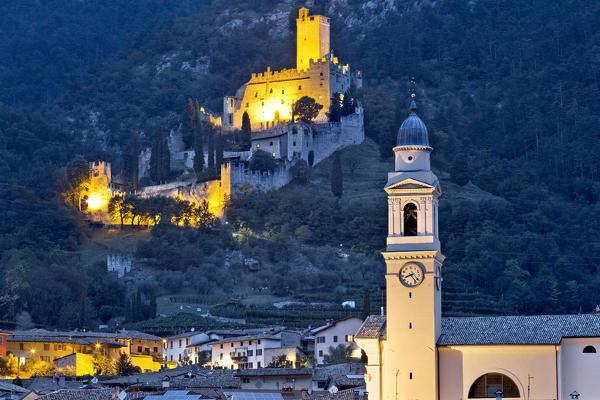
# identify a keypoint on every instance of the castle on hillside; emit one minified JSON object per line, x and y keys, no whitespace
{"x":268,"y":97}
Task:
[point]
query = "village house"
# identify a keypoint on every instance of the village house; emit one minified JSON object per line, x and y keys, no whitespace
{"x":255,"y":351}
{"x":334,"y":334}
{"x":75,"y":350}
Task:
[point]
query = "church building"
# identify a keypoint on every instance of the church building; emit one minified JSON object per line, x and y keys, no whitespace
{"x":416,"y":354}
{"x":268,"y":96}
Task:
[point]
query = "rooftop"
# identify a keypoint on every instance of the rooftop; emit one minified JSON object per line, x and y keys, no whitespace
{"x":413,"y":131}
{"x":37,"y":334}
{"x":502,"y":330}
{"x":274,"y":372}
{"x":276,"y":336}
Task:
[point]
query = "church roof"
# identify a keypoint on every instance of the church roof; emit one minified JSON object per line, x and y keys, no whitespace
{"x":502,"y":330}
{"x":413,"y":131}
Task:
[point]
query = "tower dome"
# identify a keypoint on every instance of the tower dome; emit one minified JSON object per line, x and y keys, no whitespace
{"x":413,"y":131}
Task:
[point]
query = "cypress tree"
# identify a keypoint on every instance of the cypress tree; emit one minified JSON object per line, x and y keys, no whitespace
{"x":347,"y":105}
{"x":198,"y":149}
{"x":211,"y":147}
{"x":336,"y":176}
{"x":219,"y":149}
{"x":160,"y":160}
{"x":246,"y":126}
{"x":190,"y":117}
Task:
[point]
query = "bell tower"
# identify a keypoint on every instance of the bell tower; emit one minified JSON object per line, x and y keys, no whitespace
{"x":413,"y":268}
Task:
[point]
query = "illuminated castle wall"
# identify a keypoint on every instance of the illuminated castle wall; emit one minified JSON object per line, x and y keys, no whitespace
{"x":268,"y":96}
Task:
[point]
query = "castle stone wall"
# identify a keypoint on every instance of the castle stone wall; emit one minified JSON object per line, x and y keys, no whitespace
{"x":118,"y":265}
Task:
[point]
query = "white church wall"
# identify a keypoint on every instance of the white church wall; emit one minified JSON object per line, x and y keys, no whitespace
{"x":515,"y":361}
{"x":579,"y":371}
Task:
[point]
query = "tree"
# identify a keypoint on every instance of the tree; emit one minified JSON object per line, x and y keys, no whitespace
{"x":78,"y":177}
{"x":219,"y":151}
{"x":338,"y":355}
{"x":279,"y":361}
{"x":190,"y":121}
{"x":366,"y":303}
{"x":124,"y":366}
{"x":199,"y":148}
{"x":262,"y":161}
{"x":160,"y":159}
{"x":300,"y":171}
{"x":311,"y":158}
{"x":306,"y":109}
{"x":130,"y":163}
{"x":103,"y":365}
{"x":336,"y":176}
{"x":347,"y":107}
{"x":246,"y":126}
{"x":211,"y":148}
{"x":9,"y":366}
{"x":335,"y":109}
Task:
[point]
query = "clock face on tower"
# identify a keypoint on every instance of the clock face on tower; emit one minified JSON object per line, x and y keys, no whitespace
{"x":411,"y":274}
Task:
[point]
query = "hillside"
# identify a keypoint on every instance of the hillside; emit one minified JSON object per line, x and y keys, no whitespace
{"x":510,"y":93}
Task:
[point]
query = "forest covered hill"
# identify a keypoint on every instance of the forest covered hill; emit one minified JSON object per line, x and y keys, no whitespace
{"x":510,"y":92}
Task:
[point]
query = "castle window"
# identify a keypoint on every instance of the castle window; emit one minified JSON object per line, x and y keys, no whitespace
{"x":271,"y":91}
{"x":299,"y":87}
{"x":312,"y":18}
{"x":321,"y":74}
{"x":321,"y":83}
{"x":283,"y":91}
{"x":247,"y":104}
{"x":270,"y":143}
{"x":255,"y":94}
{"x":589,"y":349}
{"x":294,"y":144}
{"x":258,"y":145}
{"x":263,"y":103}
{"x":410,"y":220}
{"x":487,"y":385}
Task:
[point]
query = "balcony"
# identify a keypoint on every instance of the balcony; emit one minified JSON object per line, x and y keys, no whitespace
{"x":239,"y":358}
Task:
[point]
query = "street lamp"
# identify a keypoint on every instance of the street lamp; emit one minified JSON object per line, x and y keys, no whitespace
{"x":574,"y":395}
{"x":499,"y":394}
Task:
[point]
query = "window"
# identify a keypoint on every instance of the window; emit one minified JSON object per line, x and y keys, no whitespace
{"x":20,"y":346}
{"x":250,"y":352}
{"x":320,"y":353}
{"x":259,"y":352}
{"x":258,"y":147}
{"x":349,"y":338}
{"x":231,"y":344}
{"x":220,"y":356}
{"x":299,"y":87}
{"x":283,"y":92}
{"x":1,"y":339}
{"x":247,"y":104}
{"x":410,"y":220}
{"x":335,"y":339}
{"x":171,"y":344}
{"x":294,"y":144}
{"x":179,"y":356}
{"x":171,"y":357}
{"x":179,"y":343}
{"x":140,"y":349}
{"x":221,"y":345}
{"x":589,"y":349}
{"x":45,"y":358}
{"x":250,"y":365}
{"x":255,"y":95}
{"x":270,"y":143}
{"x":321,"y":74}
{"x":320,"y":339}
{"x":487,"y":386}
{"x":155,"y":350}
{"x":271,"y":91}
{"x":246,"y":380}
{"x":258,"y":364}
{"x":57,"y":347}
{"x":241,"y":343}
{"x":47,"y":347}
{"x":321,"y":84}
{"x":258,"y":341}
{"x":250,"y":342}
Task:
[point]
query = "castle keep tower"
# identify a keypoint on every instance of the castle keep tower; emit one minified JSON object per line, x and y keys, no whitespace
{"x":403,"y":360}
{"x":312,"y":42}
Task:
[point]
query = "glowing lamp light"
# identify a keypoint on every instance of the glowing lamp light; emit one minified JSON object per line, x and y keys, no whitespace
{"x":97,"y":345}
{"x":95,"y":202}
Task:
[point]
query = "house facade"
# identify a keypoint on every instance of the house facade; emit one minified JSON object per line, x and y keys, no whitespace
{"x":335,"y":334}
{"x":414,"y":353}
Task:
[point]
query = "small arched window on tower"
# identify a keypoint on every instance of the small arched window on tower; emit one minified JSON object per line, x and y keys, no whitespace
{"x":410,"y":220}
{"x":589,"y":349}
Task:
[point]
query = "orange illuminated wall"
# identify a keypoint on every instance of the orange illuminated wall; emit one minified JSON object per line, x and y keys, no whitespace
{"x":312,"y":38}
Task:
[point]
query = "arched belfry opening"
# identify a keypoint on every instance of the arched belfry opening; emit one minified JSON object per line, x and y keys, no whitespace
{"x":487,"y":385}
{"x":589,"y":349}
{"x":410,"y":220}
